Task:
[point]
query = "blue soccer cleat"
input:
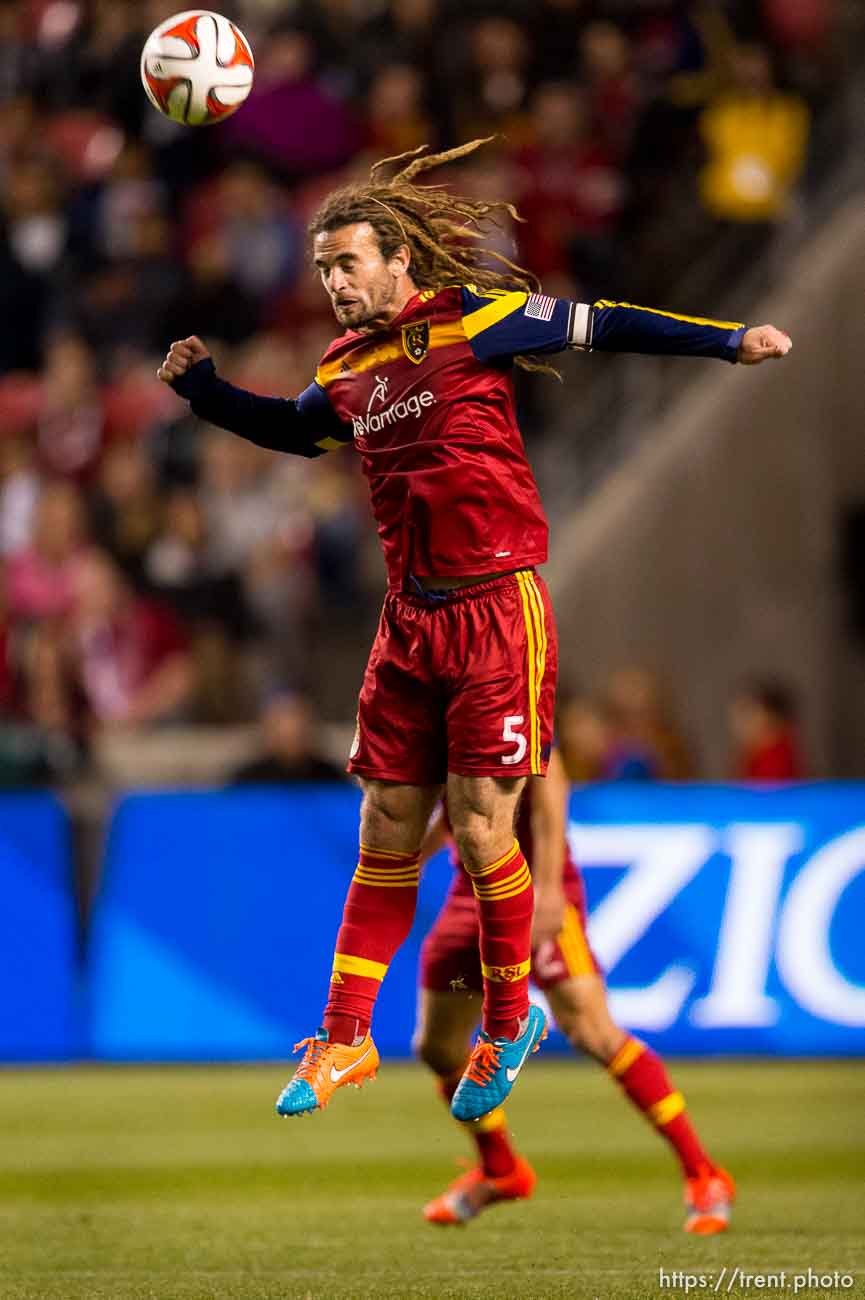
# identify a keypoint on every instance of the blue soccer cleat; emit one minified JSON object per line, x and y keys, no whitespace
{"x":493,"y":1068}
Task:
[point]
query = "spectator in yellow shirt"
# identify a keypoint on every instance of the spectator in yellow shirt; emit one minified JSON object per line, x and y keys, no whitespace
{"x":756,"y":137}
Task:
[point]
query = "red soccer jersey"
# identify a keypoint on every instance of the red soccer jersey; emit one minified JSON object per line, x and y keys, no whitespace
{"x":428,"y":401}
{"x":451,"y":489}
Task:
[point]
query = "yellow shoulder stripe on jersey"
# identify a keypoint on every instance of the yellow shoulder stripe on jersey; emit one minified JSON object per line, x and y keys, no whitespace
{"x":329,"y":444}
{"x":673,"y":315}
{"x":378,"y":354}
{"x":484,"y":293}
{"x":500,"y":307}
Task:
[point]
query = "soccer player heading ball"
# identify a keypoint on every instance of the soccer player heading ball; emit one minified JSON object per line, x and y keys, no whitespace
{"x":458,"y":692}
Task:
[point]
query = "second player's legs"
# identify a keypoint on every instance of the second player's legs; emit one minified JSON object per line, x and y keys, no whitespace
{"x":445,"y":1023}
{"x":580,"y":1007}
{"x":482,"y":812}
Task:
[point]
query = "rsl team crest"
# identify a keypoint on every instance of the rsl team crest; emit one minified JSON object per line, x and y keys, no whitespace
{"x":415,"y":341}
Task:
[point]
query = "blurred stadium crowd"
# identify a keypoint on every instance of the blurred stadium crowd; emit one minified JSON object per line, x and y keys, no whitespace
{"x":156,"y":571}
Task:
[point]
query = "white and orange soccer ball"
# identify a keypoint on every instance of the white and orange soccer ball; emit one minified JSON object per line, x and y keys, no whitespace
{"x":197,"y":67}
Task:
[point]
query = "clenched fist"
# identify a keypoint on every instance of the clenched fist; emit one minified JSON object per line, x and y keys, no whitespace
{"x":180,"y":357}
{"x":762,"y":343}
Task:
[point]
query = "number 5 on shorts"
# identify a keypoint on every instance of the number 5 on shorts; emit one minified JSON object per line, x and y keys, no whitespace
{"x":509,"y":733}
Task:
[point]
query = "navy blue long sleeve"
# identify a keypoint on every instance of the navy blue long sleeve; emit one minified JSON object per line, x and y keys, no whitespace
{"x":623,"y":327}
{"x":507,"y":324}
{"x":303,"y":426}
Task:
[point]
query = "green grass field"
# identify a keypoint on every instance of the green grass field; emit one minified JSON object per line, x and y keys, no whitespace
{"x":181,"y":1184}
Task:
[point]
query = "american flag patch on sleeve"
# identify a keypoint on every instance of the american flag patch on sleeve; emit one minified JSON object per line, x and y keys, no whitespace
{"x":539,"y":307}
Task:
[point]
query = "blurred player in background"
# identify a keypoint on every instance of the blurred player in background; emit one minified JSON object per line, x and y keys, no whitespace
{"x":459,"y":687}
{"x":564,"y":966}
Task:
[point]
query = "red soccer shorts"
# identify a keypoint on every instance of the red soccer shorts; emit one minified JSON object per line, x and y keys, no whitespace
{"x":450,"y":958}
{"x":465,"y":684}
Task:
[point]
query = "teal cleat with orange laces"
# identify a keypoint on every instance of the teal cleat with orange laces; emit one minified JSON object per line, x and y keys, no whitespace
{"x":493,"y":1068}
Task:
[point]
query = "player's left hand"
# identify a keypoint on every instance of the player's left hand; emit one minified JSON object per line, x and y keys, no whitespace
{"x":549,"y":914}
{"x":763,"y":343}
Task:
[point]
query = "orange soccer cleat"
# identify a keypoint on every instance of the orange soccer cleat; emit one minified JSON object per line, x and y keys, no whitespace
{"x":473,"y":1191}
{"x":325,"y":1067}
{"x":709,"y":1198}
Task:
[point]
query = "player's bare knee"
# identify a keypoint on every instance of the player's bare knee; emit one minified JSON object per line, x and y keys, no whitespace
{"x":394,"y":816}
{"x":482,"y":814}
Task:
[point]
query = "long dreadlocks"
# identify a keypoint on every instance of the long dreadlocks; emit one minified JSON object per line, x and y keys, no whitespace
{"x":440,"y":229}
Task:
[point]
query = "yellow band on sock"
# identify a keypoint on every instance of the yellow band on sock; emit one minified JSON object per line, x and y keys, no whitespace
{"x":625,"y":1056}
{"x":507,"y":974}
{"x":513,"y":884}
{"x":348,"y":965}
{"x":499,"y":862}
{"x":489,"y":1123}
{"x":667,"y":1109}
{"x":381,"y":878}
{"x":388,"y":853}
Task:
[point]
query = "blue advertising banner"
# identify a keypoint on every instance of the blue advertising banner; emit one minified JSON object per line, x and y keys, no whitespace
{"x":213,"y":934}
{"x":38,"y":1010}
{"x":728,"y":919}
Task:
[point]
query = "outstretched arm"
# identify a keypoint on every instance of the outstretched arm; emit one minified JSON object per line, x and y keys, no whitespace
{"x":508,"y":324}
{"x":306,"y":425}
{"x":624,"y":327}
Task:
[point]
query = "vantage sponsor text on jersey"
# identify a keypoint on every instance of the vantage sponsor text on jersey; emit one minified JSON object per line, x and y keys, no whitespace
{"x":374,"y":422}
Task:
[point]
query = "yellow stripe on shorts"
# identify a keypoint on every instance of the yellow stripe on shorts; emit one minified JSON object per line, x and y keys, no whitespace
{"x":542,"y":633}
{"x":532,"y":644}
{"x":574,"y":945}
{"x":533,"y":609}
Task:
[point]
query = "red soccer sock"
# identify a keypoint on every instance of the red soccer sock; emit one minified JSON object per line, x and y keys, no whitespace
{"x":489,"y":1134}
{"x":642,"y":1074}
{"x":505,"y":902}
{"x":377,"y":917}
